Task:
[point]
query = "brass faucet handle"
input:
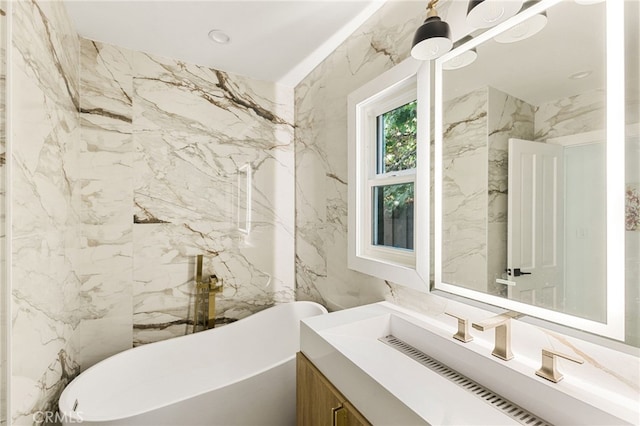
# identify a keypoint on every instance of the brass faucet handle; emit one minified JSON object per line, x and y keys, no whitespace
{"x":215,"y":284}
{"x":463,"y":329}
{"x":549,"y":369}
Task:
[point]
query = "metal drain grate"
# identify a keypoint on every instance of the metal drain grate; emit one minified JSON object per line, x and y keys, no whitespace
{"x":512,"y":410}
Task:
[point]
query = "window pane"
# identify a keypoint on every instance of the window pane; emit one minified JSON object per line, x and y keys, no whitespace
{"x":393,"y":216}
{"x":396,"y":137}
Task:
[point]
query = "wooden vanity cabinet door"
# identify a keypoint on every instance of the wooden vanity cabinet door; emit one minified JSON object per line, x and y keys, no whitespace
{"x":354,"y":418}
{"x":318,"y":402}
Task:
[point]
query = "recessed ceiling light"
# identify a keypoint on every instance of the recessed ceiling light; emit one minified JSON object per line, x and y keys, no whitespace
{"x":580,"y":75}
{"x":219,"y":36}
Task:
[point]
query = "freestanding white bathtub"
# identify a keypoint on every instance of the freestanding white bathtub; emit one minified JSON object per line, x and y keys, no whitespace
{"x":239,"y":374}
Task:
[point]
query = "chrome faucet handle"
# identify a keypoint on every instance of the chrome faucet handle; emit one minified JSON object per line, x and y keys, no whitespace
{"x":463,"y":329}
{"x":549,"y":369}
{"x":502,"y":324}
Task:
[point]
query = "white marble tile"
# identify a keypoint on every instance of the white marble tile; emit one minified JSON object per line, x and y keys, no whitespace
{"x":45,"y":306}
{"x":103,"y":192}
{"x":106,"y":87}
{"x":568,"y":116}
{"x":194,"y":128}
{"x":465,"y":189}
{"x":321,"y":155}
{"x":115,"y":335}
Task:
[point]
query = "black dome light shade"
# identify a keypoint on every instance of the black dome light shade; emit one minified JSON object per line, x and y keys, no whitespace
{"x":432,"y":38}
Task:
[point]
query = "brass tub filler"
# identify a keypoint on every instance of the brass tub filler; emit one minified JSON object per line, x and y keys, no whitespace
{"x":205,"y":299}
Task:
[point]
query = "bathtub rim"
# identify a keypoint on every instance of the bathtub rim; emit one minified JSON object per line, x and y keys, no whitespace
{"x":78,"y":416}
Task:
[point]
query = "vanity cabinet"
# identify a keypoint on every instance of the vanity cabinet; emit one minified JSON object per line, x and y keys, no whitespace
{"x":318,"y":402}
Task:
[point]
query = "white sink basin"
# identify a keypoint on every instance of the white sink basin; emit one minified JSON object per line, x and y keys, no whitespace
{"x":389,"y":387}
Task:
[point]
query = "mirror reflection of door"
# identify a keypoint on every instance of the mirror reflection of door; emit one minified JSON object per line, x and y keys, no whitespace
{"x":556,"y":238}
{"x":536,"y":223}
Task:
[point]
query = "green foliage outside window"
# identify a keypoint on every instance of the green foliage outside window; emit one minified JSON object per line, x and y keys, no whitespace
{"x":400,"y":138}
{"x":399,"y":150}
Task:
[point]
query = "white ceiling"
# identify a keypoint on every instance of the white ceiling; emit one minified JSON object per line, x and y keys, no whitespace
{"x":537,"y":69}
{"x":279,"y":41}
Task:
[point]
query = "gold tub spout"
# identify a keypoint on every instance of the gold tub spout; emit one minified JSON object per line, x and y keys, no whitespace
{"x":205,"y":295}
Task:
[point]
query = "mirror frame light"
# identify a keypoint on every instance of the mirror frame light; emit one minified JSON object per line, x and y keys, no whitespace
{"x":615,"y":118}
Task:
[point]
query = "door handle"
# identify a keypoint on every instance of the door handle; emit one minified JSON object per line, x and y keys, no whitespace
{"x":517,"y":272}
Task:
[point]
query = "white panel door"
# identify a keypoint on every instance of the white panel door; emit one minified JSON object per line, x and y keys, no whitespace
{"x":535,"y":223}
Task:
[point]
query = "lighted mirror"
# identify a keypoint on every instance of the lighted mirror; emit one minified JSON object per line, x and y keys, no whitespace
{"x":529,"y":139}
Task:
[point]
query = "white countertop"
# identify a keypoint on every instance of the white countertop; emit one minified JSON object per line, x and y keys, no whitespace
{"x":389,"y":387}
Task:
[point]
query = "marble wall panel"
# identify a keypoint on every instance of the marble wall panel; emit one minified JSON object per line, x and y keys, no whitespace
{"x":321,"y":155}
{"x":567,"y":116}
{"x":162,"y":145}
{"x":103,"y":183}
{"x":45,"y":124}
{"x":194,"y":128}
{"x":465,"y":188}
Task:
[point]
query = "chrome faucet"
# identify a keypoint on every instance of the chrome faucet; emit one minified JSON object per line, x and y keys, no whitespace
{"x":502,"y":324}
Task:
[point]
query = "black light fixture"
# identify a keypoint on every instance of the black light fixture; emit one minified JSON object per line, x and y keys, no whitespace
{"x":433,"y":38}
{"x":489,"y":13}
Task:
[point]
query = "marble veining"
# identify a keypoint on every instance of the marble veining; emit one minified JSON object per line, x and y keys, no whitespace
{"x":568,"y":116}
{"x":465,"y":189}
{"x":179,"y":133}
{"x":194,"y":128}
{"x":103,"y":174}
{"x":321,"y":155}
{"x":46,"y":308}
{"x":126,"y":167}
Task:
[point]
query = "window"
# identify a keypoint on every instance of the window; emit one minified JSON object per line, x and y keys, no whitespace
{"x":393,"y":207}
{"x":388,"y":191}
